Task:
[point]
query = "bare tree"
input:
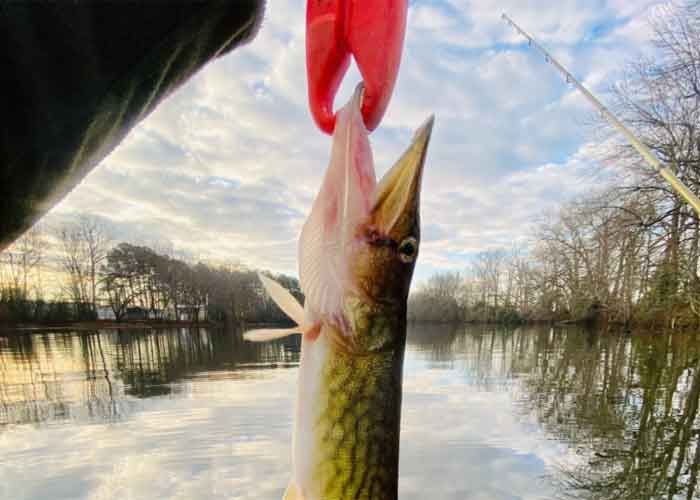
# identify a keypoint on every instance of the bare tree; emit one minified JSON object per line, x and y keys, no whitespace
{"x":22,"y":262}
{"x":84,"y":246}
{"x":97,"y":242}
{"x":658,"y":98}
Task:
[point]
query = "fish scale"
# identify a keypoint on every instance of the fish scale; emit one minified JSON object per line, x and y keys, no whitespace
{"x":359,"y":429}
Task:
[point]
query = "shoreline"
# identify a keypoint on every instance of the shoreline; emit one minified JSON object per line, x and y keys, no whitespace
{"x":105,"y":324}
{"x":29,"y":327}
{"x":18,"y":327}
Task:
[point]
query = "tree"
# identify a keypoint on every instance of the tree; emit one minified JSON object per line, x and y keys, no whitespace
{"x":22,"y":262}
{"x":658,"y":99}
{"x":84,"y":246}
{"x":120,"y":278}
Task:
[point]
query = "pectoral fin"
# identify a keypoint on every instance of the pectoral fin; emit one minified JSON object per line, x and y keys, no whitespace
{"x":265,"y":334}
{"x":285,"y":300}
{"x":291,"y":307}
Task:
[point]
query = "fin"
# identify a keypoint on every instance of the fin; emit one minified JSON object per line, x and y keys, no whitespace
{"x":313,"y":331}
{"x":310,"y":332}
{"x":344,"y":200}
{"x":265,"y":334}
{"x":292,"y":492}
{"x":285,"y":300}
{"x":291,"y":307}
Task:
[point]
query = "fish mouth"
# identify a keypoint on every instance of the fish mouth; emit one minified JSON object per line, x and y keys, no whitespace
{"x":397,"y":199}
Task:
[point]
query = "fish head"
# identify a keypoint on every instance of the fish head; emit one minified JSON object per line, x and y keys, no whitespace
{"x":389,"y":239}
{"x":359,"y":245}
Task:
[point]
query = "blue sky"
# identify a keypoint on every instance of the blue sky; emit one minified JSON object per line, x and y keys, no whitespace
{"x":227,"y":167}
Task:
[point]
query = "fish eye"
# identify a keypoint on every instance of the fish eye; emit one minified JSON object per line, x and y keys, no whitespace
{"x":408,"y":249}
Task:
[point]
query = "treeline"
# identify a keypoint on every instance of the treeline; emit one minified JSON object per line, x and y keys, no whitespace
{"x":138,"y":276}
{"x":498,"y":287}
{"x":77,"y":273}
{"x":630,"y":252}
{"x":633,"y":249}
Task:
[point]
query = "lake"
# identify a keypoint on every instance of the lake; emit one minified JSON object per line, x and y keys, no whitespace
{"x":488,"y":413}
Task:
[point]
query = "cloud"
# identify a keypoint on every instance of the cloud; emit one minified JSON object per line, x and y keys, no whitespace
{"x":228,"y":166}
{"x":209,"y":442}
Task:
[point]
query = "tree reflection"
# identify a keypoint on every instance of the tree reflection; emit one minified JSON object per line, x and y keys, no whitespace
{"x":627,"y":403}
{"x":99,"y":376}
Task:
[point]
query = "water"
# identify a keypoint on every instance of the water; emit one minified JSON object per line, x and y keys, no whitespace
{"x":488,"y":413}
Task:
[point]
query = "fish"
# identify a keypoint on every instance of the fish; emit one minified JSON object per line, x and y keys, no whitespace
{"x":357,"y":253}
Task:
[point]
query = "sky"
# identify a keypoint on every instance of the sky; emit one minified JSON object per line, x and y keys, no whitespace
{"x":227,"y":167}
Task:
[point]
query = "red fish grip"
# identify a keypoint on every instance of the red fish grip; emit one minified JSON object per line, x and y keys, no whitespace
{"x":371,"y":31}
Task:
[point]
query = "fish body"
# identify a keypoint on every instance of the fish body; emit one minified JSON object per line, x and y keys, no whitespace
{"x":357,"y":253}
{"x":348,"y":414}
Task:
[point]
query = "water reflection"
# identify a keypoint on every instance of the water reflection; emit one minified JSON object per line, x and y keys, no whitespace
{"x":494,"y":412}
{"x":629,"y":404}
{"x":88,"y":375}
{"x":626,"y":405}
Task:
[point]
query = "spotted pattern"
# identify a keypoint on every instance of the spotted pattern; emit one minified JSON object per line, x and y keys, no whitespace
{"x":358,"y":430}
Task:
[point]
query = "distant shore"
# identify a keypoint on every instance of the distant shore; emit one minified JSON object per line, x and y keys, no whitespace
{"x":28,"y":326}
{"x":17,"y":327}
{"x":103,"y":324}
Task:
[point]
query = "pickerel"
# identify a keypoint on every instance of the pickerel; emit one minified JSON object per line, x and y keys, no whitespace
{"x":357,"y":252}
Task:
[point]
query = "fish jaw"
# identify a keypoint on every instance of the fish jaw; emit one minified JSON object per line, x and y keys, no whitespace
{"x":396,"y":209}
{"x":390,"y":236}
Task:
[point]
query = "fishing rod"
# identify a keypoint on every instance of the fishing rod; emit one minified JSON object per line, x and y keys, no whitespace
{"x":642,"y":149}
